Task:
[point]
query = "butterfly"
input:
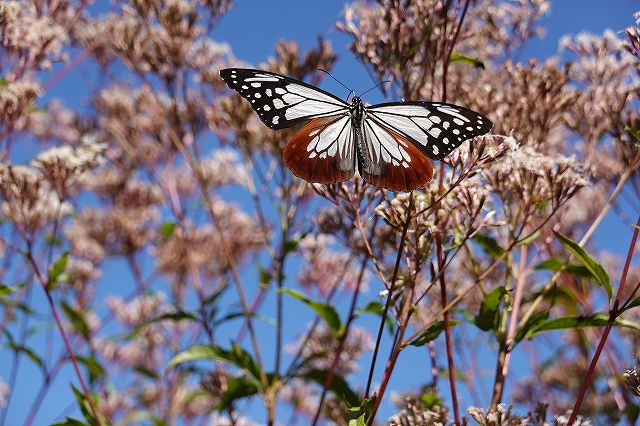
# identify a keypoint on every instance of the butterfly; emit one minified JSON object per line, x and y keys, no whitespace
{"x":389,"y":145}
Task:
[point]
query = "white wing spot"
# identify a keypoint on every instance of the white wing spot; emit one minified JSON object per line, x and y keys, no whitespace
{"x":469,"y":128}
{"x":245,"y":87}
{"x":262,"y":77}
{"x":456,"y":132}
{"x":434,"y":131}
{"x":256,"y":84}
{"x":268,"y":92}
{"x":275,"y":119}
{"x":257,"y":95}
{"x":313,"y":154}
{"x":435,"y":149}
{"x":445,"y":140}
{"x":458,"y":121}
{"x":278,"y":103}
{"x":290,"y":98}
{"x":446,"y":125}
{"x":435,"y":119}
{"x":266,"y":107}
{"x":235,"y":81}
{"x":280,"y":91}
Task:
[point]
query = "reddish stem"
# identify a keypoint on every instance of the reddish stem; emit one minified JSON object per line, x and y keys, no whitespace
{"x":613,"y":313}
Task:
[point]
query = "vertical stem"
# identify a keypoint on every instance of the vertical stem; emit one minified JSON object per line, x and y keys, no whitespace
{"x":54,"y":310}
{"x":613,"y":313}
{"x":447,"y":323}
{"x":342,"y":341}
{"x":506,"y":340}
{"x":389,"y":296}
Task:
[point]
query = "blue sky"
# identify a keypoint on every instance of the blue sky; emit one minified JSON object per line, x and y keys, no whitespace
{"x":252,"y":29}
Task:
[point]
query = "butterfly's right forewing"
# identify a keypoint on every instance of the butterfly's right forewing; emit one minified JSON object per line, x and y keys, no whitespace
{"x":279,"y":101}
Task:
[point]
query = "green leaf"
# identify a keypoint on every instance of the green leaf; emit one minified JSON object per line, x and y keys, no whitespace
{"x":632,"y":304}
{"x":56,"y":271}
{"x":236,"y":356}
{"x":169,"y":316}
{"x":77,"y":320}
{"x":166,"y":229}
{"x":69,"y":421}
{"x":577,"y":322}
{"x":85,"y":407}
{"x":600,"y":275}
{"x":430,"y":400}
{"x":95,"y":369}
{"x":459,"y":57}
{"x":6,"y":290}
{"x":555,"y":264}
{"x":136,"y":417}
{"x":528,"y":239}
{"x":525,"y":330}
{"x":237,"y":388}
{"x":376,"y":308}
{"x":146,"y":372}
{"x":30,"y":353}
{"x":323,"y":310}
{"x":431,"y":333}
{"x":489,"y":245}
{"x":289,"y":246}
{"x":634,"y":132}
{"x":487,"y":318}
{"x":339,"y":386}
{"x":359,"y":415}
{"x":3,"y":82}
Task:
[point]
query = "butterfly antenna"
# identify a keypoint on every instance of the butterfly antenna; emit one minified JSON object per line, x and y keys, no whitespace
{"x":329,"y":74}
{"x":374,"y":87}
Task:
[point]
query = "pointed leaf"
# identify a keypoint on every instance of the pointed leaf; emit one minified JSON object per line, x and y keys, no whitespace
{"x":169,"y":316}
{"x":487,"y":318}
{"x":359,"y":415}
{"x":577,"y":322}
{"x":236,"y":356}
{"x":237,"y":388}
{"x":555,"y":264}
{"x":525,"y":330}
{"x":95,"y":369}
{"x":77,"y":320}
{"x":376,"y":308}
{"x":431,"y":333}
{"x":601,"y":276}
{"x":528,"y":239}
{"x":489,"y":245}
{"x":325,"y":311}
{"x":56,"y":271}
{"x":339,"y":386}
{"x":459,"y":57}
{"x":69,"y":421}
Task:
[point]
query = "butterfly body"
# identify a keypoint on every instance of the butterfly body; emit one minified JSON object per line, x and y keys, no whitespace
{"x":388,"y":145}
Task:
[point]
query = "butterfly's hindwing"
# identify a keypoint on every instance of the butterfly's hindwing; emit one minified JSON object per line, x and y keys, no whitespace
{"x":279,"y":101}
{"x":323,"y":150}
{"x":391,"y":160}
{"x":435,"y":128}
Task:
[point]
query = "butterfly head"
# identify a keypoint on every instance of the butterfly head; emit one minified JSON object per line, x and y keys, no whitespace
{"x":357,"y":107}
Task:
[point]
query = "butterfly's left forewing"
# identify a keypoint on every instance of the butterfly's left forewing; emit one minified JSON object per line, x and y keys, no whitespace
{"x":280,"y":101}
{"x":435,"y":128}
